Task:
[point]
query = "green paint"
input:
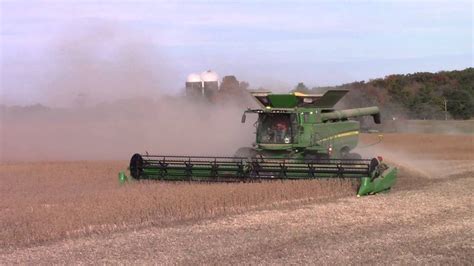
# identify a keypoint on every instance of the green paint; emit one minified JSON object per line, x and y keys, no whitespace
{"x":122,"y":177}
{"x":283,"y":100}
{"x":381,"y":183}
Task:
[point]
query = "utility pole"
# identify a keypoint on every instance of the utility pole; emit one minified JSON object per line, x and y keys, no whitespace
{"x":445,"y":109}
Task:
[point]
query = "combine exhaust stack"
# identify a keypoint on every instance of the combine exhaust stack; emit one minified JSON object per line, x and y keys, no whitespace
{"x":298,"y":136}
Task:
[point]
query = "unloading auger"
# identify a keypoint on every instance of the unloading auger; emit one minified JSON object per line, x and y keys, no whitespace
{"x":298,"y":136}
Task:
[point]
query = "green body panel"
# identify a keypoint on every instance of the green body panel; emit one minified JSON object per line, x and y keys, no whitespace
{"x":296,"y":99}
{"x":276,"y":147}
{"x":381,"y":183}
{"x":319,"y":137}
{"x":283,"y":100}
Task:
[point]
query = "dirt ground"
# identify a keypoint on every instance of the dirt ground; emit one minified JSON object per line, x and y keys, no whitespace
{"x":426,"y":218}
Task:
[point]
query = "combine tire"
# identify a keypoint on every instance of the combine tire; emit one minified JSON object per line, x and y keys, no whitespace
{"x":353,"y":156}
{"x":320,"y":158}
{"x":246,"y":152}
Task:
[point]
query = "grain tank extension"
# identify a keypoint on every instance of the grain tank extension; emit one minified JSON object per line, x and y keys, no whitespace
{"x":298,"y":136}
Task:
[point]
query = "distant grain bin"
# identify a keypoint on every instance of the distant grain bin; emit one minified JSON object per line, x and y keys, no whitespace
{"x":210,"y":81}
{"x":206,"y":84}
{"x":194,"y":86}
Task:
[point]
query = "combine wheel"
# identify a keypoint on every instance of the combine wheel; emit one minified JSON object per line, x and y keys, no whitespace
{"x":353,"y":156}
{"x":319,"y":157}
{"x":246,"y":152}
{"x":346,"y":153}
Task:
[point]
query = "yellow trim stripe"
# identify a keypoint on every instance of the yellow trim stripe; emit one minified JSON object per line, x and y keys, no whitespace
{"x":346,"y":134}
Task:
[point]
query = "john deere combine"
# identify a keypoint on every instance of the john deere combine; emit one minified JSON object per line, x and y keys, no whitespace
{"x":298,"y":136}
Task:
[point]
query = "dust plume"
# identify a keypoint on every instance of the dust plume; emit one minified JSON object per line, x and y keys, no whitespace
{"x":170,"y":125}
{"x":103,"y":64}
{"x":431,"y":156}
{"x":105,"y":99}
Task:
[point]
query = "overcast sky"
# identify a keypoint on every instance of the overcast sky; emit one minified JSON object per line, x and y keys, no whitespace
{"x":268,"y":43}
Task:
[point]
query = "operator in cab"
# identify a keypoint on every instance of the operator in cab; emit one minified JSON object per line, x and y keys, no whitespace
{"x":275,"y":129}
{"x":280,"y":129}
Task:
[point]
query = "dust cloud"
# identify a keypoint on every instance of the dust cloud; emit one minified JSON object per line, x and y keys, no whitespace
{"x":431,"y":156}
{"x":105,"y":63}
{"x":104,"y":99}
{"x":170,"y":125}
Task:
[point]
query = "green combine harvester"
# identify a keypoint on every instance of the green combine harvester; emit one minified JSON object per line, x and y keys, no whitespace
{"x":298,"y":136}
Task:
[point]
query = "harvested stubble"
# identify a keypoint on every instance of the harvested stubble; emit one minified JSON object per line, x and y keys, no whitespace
{"x":43,"y":202}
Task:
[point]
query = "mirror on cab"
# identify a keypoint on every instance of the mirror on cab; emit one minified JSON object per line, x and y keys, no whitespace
{"x":243,"y":118}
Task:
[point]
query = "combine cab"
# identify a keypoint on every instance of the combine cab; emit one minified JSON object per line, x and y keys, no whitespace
{"x":298,"y":136}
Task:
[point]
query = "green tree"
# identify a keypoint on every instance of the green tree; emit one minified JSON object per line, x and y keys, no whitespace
{"x":301,"y":88}
{"x":460,"y":104}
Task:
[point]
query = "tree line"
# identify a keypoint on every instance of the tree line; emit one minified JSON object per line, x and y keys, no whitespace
{"x":420,"y":95}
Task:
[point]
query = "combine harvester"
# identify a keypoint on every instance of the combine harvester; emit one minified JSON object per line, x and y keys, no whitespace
{"x":298,"y":136}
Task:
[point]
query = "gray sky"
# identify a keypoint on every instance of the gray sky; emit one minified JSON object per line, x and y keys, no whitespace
{"x":136,"y":44}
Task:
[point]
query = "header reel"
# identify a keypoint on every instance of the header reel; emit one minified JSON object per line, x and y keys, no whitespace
{"x":373,"y":175}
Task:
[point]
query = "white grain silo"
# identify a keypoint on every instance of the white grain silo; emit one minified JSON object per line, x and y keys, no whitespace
{"x":194,"y":85}
{"x":210,"y":81}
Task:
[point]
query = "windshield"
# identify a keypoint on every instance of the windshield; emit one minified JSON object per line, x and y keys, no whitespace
{"x":275,"y":128}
